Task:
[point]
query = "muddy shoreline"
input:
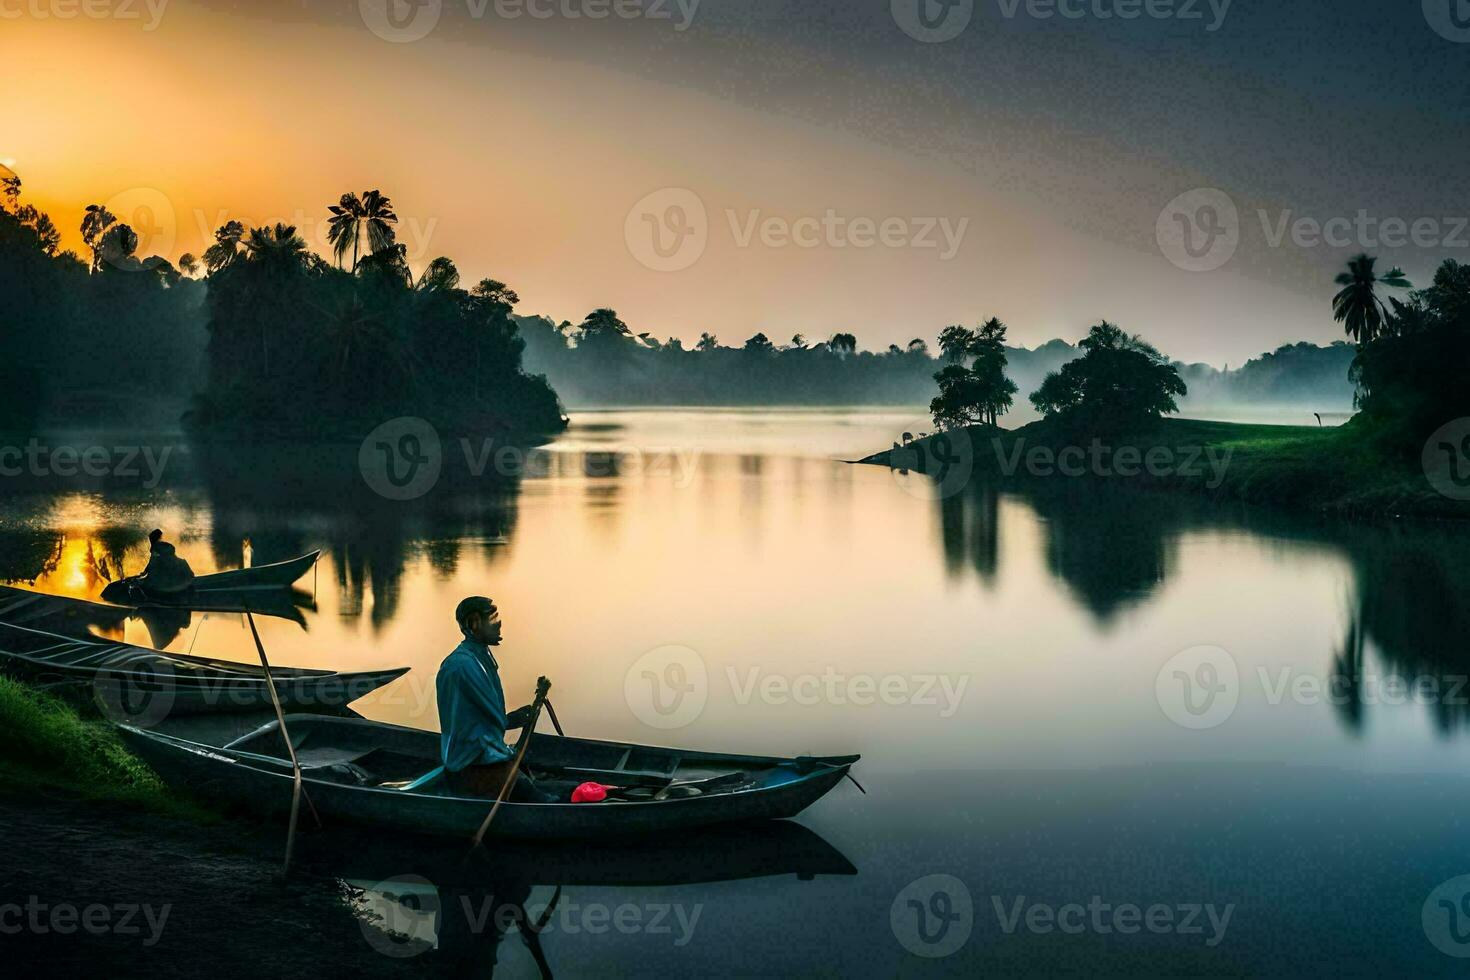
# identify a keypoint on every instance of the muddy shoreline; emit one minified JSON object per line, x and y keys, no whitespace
{"x":93,"y":889}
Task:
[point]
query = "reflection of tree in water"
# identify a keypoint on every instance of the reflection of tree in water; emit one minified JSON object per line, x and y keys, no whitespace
{"x":326,"y":503}
{"x":1411,"y":607}
{"x":969,"y":527}
{"x":28,"y":553}
{"x":1113,"y":547}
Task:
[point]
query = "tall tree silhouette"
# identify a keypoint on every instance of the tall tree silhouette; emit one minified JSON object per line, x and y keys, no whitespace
{"x":1357,"y":305}
{"x":354,"y":218}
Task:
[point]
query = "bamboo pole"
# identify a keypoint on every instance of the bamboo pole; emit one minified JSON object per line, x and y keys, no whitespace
{"x":296,"y":789}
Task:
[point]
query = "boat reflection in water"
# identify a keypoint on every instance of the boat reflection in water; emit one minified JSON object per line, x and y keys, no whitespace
{"x":418,"y":898}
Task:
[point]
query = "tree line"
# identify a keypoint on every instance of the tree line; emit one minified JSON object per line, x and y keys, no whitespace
{"x":270,"y":339}
{"x":1410,"y":358}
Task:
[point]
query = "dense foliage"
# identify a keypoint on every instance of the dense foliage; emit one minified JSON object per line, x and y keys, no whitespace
{"x":1119,"y":379}
{"x":75,"y":341}
{"x":1411,"y":370}
{"x":980,"y":393}
{"x":273,"y":341}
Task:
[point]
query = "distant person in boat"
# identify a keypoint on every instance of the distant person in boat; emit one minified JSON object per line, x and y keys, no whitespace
{"x":166,"y":573}
{"x":472,"y":716}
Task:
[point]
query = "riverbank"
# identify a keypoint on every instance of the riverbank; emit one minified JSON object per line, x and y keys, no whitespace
{"x":1335,"y":471}
{"x":126,"y":892}
{"x":108,"y":868}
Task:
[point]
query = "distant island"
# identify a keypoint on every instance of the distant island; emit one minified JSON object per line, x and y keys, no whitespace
{"x":1104,"y":414}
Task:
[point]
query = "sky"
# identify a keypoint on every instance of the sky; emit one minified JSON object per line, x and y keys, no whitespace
{"x":881,"y":167}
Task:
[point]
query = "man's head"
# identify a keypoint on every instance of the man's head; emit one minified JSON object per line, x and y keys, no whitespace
{"x":155,"y":536}
{"x":479,"y":620}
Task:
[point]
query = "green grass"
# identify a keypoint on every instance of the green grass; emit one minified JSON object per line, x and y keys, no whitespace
{"x":48,"y":745}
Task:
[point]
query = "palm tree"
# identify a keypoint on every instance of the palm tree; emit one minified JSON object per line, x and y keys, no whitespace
{"x":353,"y":216}
{"x":955,"y":342}
{"x":96,"y":221}
{"x":278,"y":252}
{"x":442,"y":274}
{"x":277,"y":246}
{"x":188,"y":264}
{"x":1357,"y":305}
{"x":226,"y":248}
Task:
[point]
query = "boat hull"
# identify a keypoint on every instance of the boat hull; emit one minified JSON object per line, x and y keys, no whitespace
{"x":279,"y":575}
{"x":216,"y":774}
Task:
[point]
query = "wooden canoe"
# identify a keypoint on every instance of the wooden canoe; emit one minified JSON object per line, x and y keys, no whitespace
{"x":147,"y":685}
{"x":385,"y":776}
{"x":235,"y":584}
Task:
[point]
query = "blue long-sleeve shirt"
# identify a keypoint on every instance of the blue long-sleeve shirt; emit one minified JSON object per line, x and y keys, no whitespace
{"x":471,"y":708}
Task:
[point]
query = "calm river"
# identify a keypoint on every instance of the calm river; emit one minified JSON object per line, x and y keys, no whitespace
{"x":1101,"y":730}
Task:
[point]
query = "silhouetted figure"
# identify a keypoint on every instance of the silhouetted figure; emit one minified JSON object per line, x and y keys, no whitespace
{"x":167,"y":573}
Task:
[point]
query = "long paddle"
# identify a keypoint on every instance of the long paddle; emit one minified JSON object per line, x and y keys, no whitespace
{"x":296,"y":789}
{"x":543,"y":687}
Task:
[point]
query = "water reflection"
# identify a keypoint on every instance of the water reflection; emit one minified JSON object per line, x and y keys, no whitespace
{"x":636,"y":540}
{"x":452,"y":911}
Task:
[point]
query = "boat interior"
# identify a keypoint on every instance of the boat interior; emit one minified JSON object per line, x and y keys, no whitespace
{"x":359,"y":753}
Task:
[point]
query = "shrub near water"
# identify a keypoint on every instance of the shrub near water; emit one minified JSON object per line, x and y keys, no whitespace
{"x":48,"y":744}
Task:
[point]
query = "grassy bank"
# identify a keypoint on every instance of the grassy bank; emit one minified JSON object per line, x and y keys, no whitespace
{"x":1331,"y":470}
{"x":49,"y":746}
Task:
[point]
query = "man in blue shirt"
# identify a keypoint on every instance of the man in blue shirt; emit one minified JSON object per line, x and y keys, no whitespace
{"x":472,"y":715}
